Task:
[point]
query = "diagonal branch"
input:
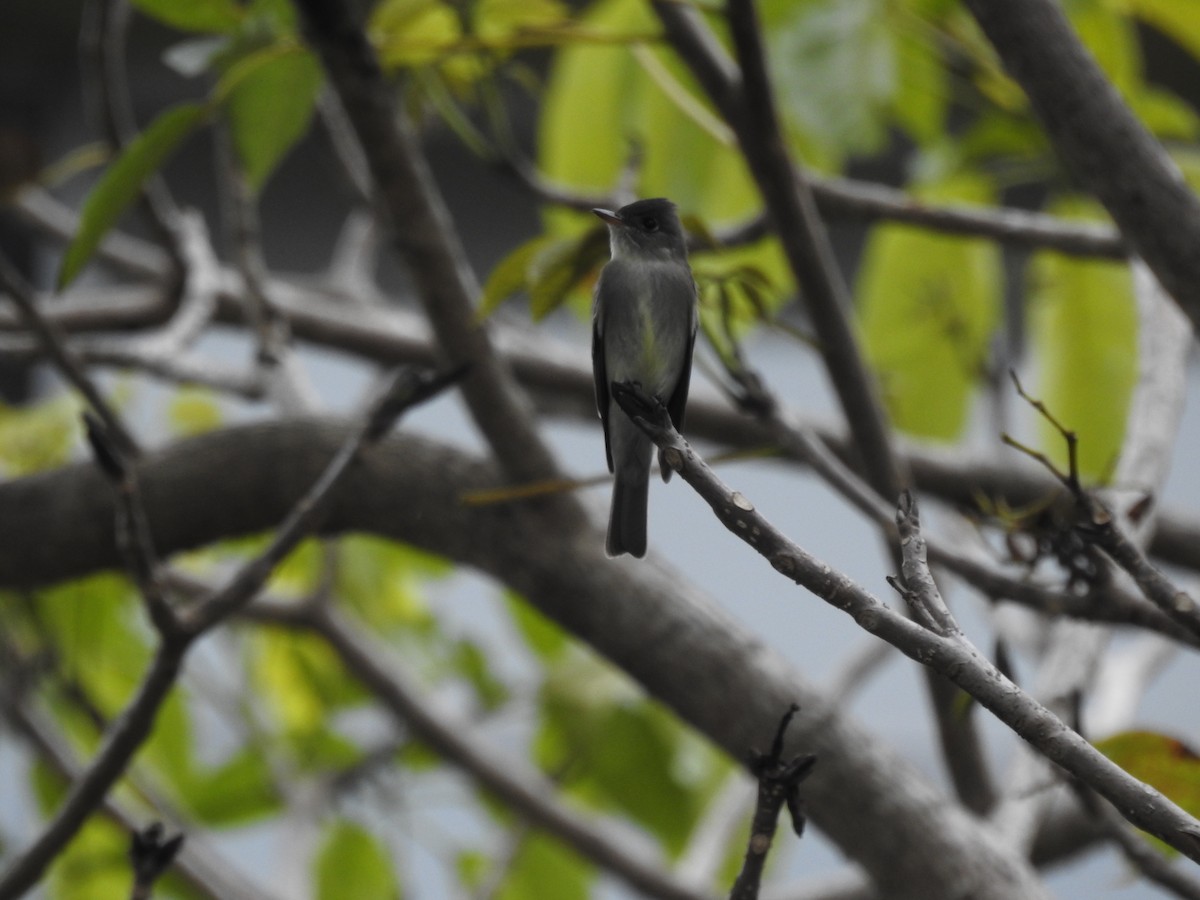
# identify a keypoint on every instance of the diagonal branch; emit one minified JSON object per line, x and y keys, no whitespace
{"x":55,"y":345}
{"x":526,"y":791}
{"x":1100,"y":140}
{"x":427,"y":241}
{"x":178,"y":632}
{"x":951,"y":655}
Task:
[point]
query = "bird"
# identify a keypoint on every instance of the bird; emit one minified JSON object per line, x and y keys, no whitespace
{"x":643,"y":332}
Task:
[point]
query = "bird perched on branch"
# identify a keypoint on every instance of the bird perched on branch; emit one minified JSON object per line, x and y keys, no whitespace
{"x":643,"y":331}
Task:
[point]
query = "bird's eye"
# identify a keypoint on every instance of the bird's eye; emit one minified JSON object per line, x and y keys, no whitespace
{"x":649,"y":223}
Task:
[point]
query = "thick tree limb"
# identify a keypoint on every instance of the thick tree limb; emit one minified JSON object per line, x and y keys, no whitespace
{"x":647,"y":619}
{"x":1100,"y":140}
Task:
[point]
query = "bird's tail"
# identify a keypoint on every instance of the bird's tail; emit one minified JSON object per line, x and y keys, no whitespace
{"x":627,"y":518}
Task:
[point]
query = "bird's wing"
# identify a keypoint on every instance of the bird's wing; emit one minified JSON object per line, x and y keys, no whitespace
{"x":678,"y":399}
{"x":600,"y":374}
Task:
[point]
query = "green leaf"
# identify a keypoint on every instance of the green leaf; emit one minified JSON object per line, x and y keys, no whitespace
{"x":193,"y":410}
{"x":543,"y":861}
{"x":94,"y":628}
{"x":220,"y":16}
{"x":836,"y":64}
{"x":1165,"y":763}
{"x":384,"y":581}
{"x":928,"y":304}
{"x":237,"y":792}
{"x":561,"y":265}
{"x":40,"y":436}
{"x":119,"y":185}
{"x":1084,"y":328}
{"x":623,"y":753}
{"x":544,"y":637}
{"x":271,"y":108}
{"x":511,"y":274}
{"x":354,"y":863}
{"x":301,"y":678}
{"x":470,"y":661}
{"x":1176,"y":20}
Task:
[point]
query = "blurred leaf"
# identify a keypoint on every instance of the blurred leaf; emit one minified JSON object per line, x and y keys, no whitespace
{"x":839,"y":58}
{"x":1109,"y":36}
{"x":194,"y":15}
{"x":1163,"y":762}
{"x":239,"y":791}
{"x":619,"y":752}
{"x":542,"y":861}
{"x":119,"y":185}
{"x":511,"y":274}
{"x":561,"y":265}
{"x":39,"y":436}
{"x":922,"y":89}
{"x":300,"y":572}
{"x":472,"y":866}
{"x":352,"y":862}
{"x":413,"y":32}
{"x":270,"y":110}
{"x":383,"y":581}
{"x":1084,"y":328}
{"x":94,"y":866}
{"x":1165,"y":114}
{"x":469,"y":661}
{"x":494,"y":20}
{"x":1176,"y":20}
{"x":171,"y":743}
{"x":301,"y":679}
{"x":544,"y":638}
{"x":92,"y":623}
{"x":928,"y":304}
{"x":193,"y":410}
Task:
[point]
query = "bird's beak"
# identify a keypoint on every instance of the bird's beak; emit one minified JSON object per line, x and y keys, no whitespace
{"x":609,"y":216}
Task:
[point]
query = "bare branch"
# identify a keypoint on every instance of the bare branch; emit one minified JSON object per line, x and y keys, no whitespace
{"x":55,"y":346}
{"x":531,"y":795}
{"x":950,"y":655}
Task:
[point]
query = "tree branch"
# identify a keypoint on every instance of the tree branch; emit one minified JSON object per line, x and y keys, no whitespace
{"x":425,"y":238}
{"x":648,"y":620}
{"x":949,"y":654}
{"x":1100,"y":140}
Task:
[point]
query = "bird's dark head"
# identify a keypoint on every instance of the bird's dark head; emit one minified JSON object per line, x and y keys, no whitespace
{"x":647,"y":228}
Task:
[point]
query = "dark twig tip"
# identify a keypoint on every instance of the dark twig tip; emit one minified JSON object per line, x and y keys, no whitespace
{"x":408,"y":387}
{"x":150,"y":854}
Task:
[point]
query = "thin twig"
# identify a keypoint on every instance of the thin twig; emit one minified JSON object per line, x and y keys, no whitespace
{"x":129,"y":732}
{"x":952,"y":656}
{"x":102,"y":46}
{"x":526,"y":791}
{"x":778,"y":786}
{"x":55,"y":345}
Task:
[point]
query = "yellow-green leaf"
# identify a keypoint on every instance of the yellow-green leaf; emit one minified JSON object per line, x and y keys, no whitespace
{"x":39,"y":436}
{"x":511,"y":274}
{"x":352,"y":862}
{"x":1161,"y":761}
{"x":220,"y":16}
{"x":928,"y":304}
{"x":193,"y":410}
{"x":121,"y":181}
{"x":270,"y":110}
{"x":1084,"y":327}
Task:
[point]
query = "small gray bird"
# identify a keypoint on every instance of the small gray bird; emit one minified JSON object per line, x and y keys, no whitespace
{"x":643,"y":331}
